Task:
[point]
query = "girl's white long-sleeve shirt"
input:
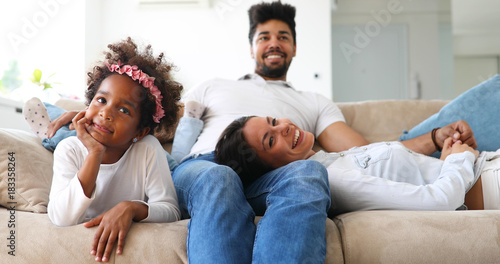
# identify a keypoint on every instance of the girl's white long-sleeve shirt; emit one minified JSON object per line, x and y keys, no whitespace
{"x":388,"y":176}
{"x":142,"y":174}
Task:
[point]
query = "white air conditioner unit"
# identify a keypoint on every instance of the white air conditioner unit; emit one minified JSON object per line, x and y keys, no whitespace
{"x":180,"y":3}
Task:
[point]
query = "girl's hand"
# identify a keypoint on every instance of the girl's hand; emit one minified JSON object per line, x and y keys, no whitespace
{"x":113,"y":226}
{"x":80,"y":122}
{"x":451,"y":146}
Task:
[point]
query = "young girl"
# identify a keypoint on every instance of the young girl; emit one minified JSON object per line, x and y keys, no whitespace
{"x":383,"y":175}
{"x":115,"y":172}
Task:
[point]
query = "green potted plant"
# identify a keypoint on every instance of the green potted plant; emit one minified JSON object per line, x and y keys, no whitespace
{"x":37,"y":79}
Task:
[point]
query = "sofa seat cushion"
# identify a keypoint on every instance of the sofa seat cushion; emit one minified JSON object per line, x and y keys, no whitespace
{"x":420,"y":236}
{"x":37,"y":240}
{"x":334,"y":253}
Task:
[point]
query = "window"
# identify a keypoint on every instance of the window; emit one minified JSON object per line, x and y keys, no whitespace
{"x":48,"y":35}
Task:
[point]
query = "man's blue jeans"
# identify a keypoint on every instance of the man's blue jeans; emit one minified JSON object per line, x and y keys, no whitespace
{"x":293,"y":200}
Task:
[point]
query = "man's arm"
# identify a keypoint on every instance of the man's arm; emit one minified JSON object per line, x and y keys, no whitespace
{"x":459,"y":130}
{"x":339,"y":136}
{"x":422,"y":144}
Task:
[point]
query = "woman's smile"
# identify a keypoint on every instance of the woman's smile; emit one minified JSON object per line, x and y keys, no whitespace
{"x":278,"y":141}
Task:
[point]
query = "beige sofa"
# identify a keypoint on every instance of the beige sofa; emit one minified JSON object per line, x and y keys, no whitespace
{"x":360,"y":237}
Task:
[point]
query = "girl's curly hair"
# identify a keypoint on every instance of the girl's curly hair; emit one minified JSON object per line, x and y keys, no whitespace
{"x":127,"y":52}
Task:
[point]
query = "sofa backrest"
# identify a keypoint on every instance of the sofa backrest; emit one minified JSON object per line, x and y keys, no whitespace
{"x":377,"y":120}
{"x":385,"y":120}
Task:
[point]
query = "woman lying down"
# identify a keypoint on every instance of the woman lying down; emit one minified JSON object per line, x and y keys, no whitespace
{"x":379,"y":176}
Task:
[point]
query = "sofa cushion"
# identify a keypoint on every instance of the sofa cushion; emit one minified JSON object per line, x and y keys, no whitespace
{"x":385,"y":120}
{"x":37,"y":240}
{"x":25,"y":171}
{"x":42,"y":242}
{"x":420,"y":236}
{"x":479,"y":106}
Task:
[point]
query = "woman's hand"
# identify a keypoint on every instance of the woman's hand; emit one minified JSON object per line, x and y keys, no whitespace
{"x":113,"y":226}
{"x":81,"y":123}
{"x":451,"y":146}
{"x":61,"y":121}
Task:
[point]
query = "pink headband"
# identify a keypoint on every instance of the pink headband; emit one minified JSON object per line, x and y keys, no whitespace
{"x":145,"y":80}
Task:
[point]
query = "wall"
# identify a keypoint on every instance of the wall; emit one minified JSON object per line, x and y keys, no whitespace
{"x":208,"y":42}
{"x":476,"y":27}
{"x":424,"y":20}
{"x":476,"y":39}
{"x":66,"y":37}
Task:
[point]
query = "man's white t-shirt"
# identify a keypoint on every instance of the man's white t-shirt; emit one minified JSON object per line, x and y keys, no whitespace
{"x":227,"y":100}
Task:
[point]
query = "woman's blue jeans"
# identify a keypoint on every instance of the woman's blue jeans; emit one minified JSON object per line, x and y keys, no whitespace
{"x":293,"y":200}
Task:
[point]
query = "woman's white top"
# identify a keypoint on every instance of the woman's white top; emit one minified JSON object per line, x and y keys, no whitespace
{"x":389,"y":176}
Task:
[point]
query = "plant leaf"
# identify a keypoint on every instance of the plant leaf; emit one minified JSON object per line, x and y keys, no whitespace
{"x":37,"y":75}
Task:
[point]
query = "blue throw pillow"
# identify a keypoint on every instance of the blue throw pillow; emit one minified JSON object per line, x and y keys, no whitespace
{"x":479,"y":106}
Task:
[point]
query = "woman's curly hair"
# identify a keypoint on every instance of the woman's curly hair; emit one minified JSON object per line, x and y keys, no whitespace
{"x":127,"y":52}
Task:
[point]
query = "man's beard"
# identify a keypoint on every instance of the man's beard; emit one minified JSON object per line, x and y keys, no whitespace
{"x":265,"y":71}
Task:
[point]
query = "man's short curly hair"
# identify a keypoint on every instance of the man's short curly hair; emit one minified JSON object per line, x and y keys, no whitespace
{"x":127,"y":52}
{"x":260,"y":13}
